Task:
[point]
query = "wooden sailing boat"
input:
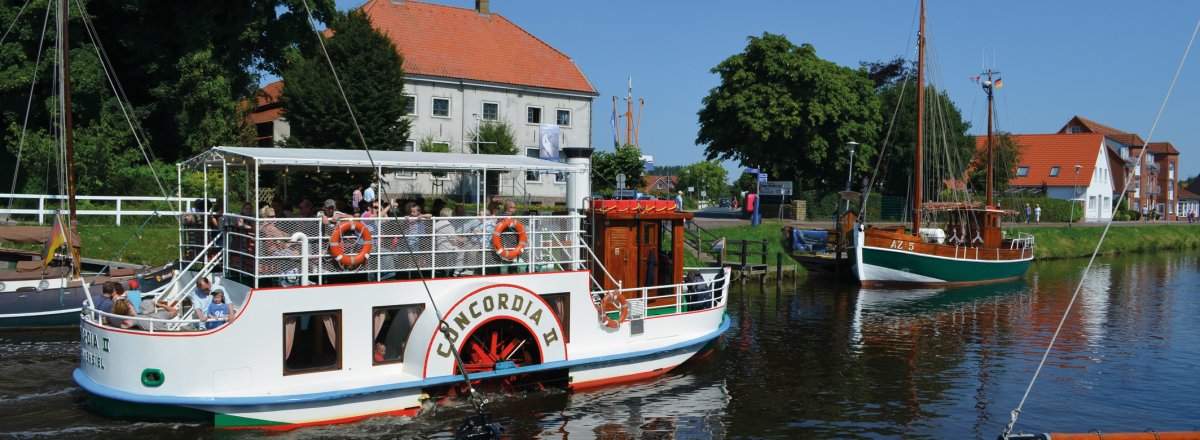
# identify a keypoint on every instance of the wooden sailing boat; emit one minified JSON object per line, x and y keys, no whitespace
{"x":975,"y":251}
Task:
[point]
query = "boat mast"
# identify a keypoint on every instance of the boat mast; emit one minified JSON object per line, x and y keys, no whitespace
{"x":68,"y":137}
{"x":917,"y":172}
{"x":987,"y":87}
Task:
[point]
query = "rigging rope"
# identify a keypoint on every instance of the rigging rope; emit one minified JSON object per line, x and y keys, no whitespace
{"x":14,"y":21}
{"x":1124,"y":190}
{"x":28,"y":105}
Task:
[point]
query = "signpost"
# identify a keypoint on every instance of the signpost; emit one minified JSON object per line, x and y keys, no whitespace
{"x":775,"y":188}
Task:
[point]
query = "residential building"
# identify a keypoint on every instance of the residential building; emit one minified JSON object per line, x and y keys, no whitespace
{"x":1068,"y":167}
{"x":660,"y":185}
{"x":1188,"y":202}
{"x":464,"y":67}
{"x":1152,"y":181}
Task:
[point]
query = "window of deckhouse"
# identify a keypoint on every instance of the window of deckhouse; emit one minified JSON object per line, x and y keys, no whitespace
{"x":392,"y":327}
{"x":312,"y":342}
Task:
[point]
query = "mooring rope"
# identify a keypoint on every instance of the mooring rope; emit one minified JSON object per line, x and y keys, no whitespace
{"x":1017,"y":412}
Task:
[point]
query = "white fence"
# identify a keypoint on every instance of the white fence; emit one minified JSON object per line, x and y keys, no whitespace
{"x":45,"y":210}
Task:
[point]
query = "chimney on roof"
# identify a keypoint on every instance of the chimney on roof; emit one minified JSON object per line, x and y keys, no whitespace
{"x":482,"y":7}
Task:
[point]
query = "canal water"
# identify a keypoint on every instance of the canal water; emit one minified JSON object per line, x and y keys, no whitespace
{"x":812,"y":360}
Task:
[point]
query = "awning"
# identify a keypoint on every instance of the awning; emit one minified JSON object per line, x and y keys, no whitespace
{"x":312,"y":158}
{"x":32,"y":235}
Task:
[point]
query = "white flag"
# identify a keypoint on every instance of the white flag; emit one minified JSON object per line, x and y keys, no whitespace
{"x":549,"y":135}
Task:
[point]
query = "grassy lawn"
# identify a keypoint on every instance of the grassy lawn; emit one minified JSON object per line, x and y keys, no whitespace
{"x":1079,"y":241}
{"x":155,"y":245}
{"x":769,"y":231}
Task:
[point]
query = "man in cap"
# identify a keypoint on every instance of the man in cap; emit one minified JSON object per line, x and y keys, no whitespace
{"x":679,"y":202}
{"x":329,"y":213}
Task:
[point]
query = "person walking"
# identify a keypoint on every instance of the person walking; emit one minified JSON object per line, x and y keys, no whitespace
{"x":1027,"y":213}
{"x":679,"y":201}
{"x":1037,"y":213}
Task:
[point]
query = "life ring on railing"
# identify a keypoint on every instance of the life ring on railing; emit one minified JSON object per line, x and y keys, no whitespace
{"x":338,"y":251}
{"x":512,"y":253}
{"x":618,"y":302}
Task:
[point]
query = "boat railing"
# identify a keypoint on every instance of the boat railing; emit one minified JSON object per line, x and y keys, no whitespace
{"x":672,"y":299}
{"x":210,"y":261}
{"x":595,"y":282}
{"x":264,"y":251}
{"x":176,"y":324}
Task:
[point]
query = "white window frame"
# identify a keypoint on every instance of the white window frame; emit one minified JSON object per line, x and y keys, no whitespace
{"x":483,"y":111}
{"x":570,"y":117}
{"x":433,"y":107}
{"x":537,"y":177}
{"x":413,"y":100}
{"x":541,"y":114}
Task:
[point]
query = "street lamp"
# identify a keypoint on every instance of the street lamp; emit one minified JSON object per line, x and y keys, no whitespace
{"x":850,"y":172}
{"x":1074,"y":195}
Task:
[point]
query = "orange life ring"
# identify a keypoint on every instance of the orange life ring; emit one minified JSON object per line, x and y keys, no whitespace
{"x":338,"y":251}
{"x":509,"y":254}
{"x":618,"y":302}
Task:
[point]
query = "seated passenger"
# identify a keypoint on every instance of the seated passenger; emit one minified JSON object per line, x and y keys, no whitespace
{"x":134,"y":295}
{"x":219,"y":312}
{"x":122,"y":307}
{"x":330,"y":215}
{"x":158,"y":310}
{"x":451,"y":244}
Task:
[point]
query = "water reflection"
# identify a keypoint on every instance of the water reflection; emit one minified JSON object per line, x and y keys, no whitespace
{"x":814,"y":360}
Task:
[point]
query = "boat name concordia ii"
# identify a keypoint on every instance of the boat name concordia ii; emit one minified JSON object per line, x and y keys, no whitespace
{"x":332,"y":318}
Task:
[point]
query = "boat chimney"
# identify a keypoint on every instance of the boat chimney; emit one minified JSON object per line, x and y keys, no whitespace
{"x":579,"y":185}
{"x":482,"y":7}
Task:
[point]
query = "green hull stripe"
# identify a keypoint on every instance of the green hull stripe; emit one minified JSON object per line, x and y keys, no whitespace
{"x":953,"y":271}
{"x":120,"y":409}
{"x":230,"y":421}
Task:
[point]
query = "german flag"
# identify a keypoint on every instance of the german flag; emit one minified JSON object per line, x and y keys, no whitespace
{"x":58,"y":237}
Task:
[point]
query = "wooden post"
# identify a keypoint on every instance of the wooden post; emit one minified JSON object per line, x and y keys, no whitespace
{"x":778,"y":267}
{"x":764,"y":252}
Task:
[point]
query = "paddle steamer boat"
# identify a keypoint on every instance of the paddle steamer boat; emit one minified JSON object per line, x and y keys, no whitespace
{"x":366,"y":316}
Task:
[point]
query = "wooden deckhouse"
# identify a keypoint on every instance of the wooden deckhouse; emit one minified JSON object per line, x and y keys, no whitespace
{"x":642,"y":242}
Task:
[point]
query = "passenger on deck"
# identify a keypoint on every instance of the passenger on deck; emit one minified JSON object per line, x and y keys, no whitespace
{"x":330,"y":215}
{"x":121,"y":307}
{"x":380,"y":351}
{"x":157,"y":310}
{"x":201,"y":297}
{"x":451,"y":244}
{"x":306,"y":208}
{"x":218,"y":311}
{"x":356,"y":198}
{"x":134,"y":295}
{"x":104,"y":302}
{"x":510,"y":208}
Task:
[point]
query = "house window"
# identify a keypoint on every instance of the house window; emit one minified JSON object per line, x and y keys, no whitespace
{"x":533,"y":115}
{"x":441,"y":107}
{"x":563,"y":118}
{"x":392,"y":326}
{"x":410,"y":105}
{"x":1053,"y":171}
{"x":533,"y":176}
{"x":1022,"y":171}
{"x":408,"y":146}
{"x":312,"y":342}
{"x":491,"y":111}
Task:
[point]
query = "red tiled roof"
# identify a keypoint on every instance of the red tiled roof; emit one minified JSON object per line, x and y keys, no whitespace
{"x":269,"y":94}
{"x":268,"y":115}
{"x":460,"y":43}
{"x":670,"y":183}
{"x":1090,"y":126}
{"x":1184,"y":194}
{"x":1161,"y":148}
{"x":1041,"y":152}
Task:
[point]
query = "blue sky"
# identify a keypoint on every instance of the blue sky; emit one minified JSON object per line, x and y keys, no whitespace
{"x":1106,"y":60}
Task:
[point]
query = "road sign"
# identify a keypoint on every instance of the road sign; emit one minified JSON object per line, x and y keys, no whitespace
{"x":691,"y":189}
{"x":751,"y":171}
{"x":775,"y":188}
{"x":621,"y":181}
{"x":762,"y":177}
{"x":703,"y":193}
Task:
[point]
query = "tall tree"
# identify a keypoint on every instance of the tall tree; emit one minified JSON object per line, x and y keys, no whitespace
{"x":372,"y":77}
{"x":491,"y":137}
{"x":704,"y":176}
{"x":781,"y":108}
{"x":948,"y":146}
{"x":1006,"y":155}
{"x":606,"y":166}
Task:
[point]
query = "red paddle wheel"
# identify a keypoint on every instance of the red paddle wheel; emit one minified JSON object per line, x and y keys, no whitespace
{"x":499,"y":345}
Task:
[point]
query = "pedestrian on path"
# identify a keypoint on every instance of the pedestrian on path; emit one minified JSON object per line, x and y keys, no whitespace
{"x":679,"y":202}
{"x":1027,"y":213}
{"x":1037,"y":213}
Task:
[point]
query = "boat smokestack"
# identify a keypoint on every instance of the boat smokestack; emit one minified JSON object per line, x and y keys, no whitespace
{"x":579,"y":184}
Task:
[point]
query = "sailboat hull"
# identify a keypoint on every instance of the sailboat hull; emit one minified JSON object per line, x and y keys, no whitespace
{"x":898,"y":260}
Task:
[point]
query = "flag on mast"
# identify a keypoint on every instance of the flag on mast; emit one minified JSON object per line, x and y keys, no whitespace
{"x":999,"y":82}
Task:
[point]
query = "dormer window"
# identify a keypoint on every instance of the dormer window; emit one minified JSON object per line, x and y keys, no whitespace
{"x":1053,"y":171}
{"x":1022,"y":171}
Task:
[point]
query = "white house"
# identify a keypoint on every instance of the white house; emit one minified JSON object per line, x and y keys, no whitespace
{"x":1068,"y":167}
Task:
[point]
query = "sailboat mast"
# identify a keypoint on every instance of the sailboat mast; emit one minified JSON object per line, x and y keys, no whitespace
{"x":987,"y":86}
{"x":918,"y":176}
{"x":68,"y":135}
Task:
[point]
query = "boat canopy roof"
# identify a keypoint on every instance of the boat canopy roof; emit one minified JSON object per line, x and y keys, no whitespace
{"x":301,"y":158}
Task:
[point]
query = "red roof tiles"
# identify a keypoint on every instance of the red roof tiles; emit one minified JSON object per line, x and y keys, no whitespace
{"x":1042,"y":152}
{"x":460,"y":43}
{"x":1161,"y":148}
{"x":1089,"y":126}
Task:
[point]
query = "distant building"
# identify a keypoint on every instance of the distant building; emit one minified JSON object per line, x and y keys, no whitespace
{"x":660,"y":184}
{"x":1048,"y":163}
{"x":463,"y":67}
{"x":1152,"y":182}
{"x":1188,"y":202}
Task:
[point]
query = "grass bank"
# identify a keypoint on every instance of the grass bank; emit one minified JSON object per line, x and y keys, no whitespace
{"x":1079,"y":241}
{"x":154,"y":245}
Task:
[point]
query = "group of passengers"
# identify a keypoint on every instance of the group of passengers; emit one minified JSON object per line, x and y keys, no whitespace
{"x":129,"y":309}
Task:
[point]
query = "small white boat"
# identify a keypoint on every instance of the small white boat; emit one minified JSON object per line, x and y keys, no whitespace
{"x":335,"y":322}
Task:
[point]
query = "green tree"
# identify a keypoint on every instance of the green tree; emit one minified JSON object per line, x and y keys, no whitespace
{"x":1006,"y":155}
{"x":606,"y":166}
{"x":783,"y":109}
{"x":371,"y":75}
{"x":948,"y":146}
{"x":494,"y":138}
{"x":704,"y":176}
{"x":208,"y":116}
